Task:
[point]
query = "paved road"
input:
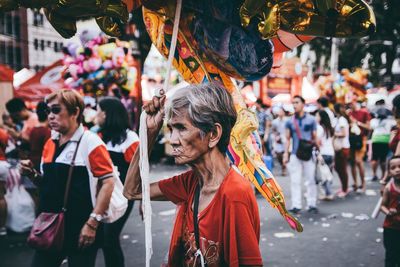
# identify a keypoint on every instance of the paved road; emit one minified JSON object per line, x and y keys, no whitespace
{"x":340,"y":235}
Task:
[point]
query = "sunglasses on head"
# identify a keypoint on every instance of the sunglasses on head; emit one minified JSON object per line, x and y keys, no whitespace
{"x":53,"y":109}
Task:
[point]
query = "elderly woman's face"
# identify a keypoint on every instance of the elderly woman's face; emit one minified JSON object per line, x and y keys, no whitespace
{"x":187,"y":143}
{"x":59,"y":118}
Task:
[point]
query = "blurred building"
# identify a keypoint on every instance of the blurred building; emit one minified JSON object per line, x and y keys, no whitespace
{"x":14,"y":39}
{"x":44,"y":43}
{"x":27,"y":40}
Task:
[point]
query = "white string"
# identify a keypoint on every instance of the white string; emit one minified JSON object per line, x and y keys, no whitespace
{"x":173,"y":43}
{"x":144,"y":156}
{"x":144,"y":174}
{"x":200,"y":255}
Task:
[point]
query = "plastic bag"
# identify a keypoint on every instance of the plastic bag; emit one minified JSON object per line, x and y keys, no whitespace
{"x":322,"y":172}
{"x":20,"y":206}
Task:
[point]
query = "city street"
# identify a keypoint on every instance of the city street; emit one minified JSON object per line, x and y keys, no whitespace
{"x":342,"y":234}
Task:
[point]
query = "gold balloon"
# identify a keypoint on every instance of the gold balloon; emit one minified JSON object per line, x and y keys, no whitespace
{"x":327,"y":18}
{"x":62,"y":14}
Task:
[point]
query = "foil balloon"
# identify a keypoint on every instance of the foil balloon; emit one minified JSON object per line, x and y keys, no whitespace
{"x":327,"y":18}
{"x":245,"y":145}
{"x":110,"y":15}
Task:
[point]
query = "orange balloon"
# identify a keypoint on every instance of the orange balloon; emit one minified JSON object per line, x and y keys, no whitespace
{"x":286,"y":41}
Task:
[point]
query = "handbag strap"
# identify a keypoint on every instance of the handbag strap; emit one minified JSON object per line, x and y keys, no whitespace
{"x":296,"y":126}
{"x":70,"y":170}
{"x":195,"y":217}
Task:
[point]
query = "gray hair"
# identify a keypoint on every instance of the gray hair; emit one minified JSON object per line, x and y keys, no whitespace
{"x":206,"y":104}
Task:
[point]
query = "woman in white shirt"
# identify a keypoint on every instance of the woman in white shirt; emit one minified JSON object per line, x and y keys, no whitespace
{"x":325,"y":135}
{"x":341,"y":145}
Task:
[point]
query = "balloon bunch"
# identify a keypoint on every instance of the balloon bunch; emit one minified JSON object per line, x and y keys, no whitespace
{"x":346,"y":86}
{"x":101,"y":65}
{"x":110,"y":15}
{"x":341,"y":18}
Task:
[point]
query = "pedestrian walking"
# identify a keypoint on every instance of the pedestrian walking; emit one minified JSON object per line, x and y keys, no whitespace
{"x":218,"y":218}
{"x":324,"y":105}
{"x":121,"y":142}
{"x":39,"y":135}
{"x":381,"y":127}
{"x":21,"y":115}
{"x":325,"y":134}
{"x":91,"y":182}
{"x":360,"y":125}
{"x":391,"y":208}
{"x":279,"y":137}
{"x":341,"y":145}
{"x":301,"y":129}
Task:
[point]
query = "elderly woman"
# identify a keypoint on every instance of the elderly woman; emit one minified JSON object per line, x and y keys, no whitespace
{"x":227,"y":231}
{"x":91,"y":185}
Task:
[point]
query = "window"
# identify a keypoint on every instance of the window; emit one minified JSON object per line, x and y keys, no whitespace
{"x":37,"y":18}
{"x":9,"y":24}
{"x":2,"y":23}
{"x":55,"y":47}
{"x":42,"y":45}
{"x":17,"y":27}
{"x":36,"y":44}
{"x":48,"y":43}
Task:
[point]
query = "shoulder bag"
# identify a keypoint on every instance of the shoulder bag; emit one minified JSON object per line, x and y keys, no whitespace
{"x":196,"y":225}
{"x":47,"y":232}
{"x":305,"y":148}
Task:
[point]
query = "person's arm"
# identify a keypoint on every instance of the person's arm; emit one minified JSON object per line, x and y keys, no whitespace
{"x":287,"y":146}
{"x":89,"y":229}
{"x":385,"y":203}
{"x":27,"y":169}
{"x":365,"y":125}
{"x":133,"y":182}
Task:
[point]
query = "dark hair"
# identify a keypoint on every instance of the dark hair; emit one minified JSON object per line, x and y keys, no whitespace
{"x":301,"y":98}
{"x":15,"y":105}
{"x":396,"y":106}
{"x":339,"y":111}
{"x":117,"y":121}
{"x":326,"y":123}
{"x":323,"y":101}
{"x":394,"y":157}
{"x":41,"y":111}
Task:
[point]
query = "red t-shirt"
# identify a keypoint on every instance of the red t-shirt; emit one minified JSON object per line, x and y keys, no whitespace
{"x":362,"y":116}
{"x":393,"y":222}
{"x":229,"y":226}
{"x":3,"y":143}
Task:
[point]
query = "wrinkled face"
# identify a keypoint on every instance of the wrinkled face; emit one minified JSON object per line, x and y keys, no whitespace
{"x":59,"y":118}
{"x":297,"y":105}
{"x":186,"y":140}
{"x":395,"y":168}
{"x":100,"y":117}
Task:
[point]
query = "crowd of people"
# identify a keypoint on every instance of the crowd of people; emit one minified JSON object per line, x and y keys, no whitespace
{"x":45,"y":145}
{"x":71,"y":164}
{"x":341,"y":136}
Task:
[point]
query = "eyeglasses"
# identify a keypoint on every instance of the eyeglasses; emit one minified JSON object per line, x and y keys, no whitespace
{"x":53,"y":109}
